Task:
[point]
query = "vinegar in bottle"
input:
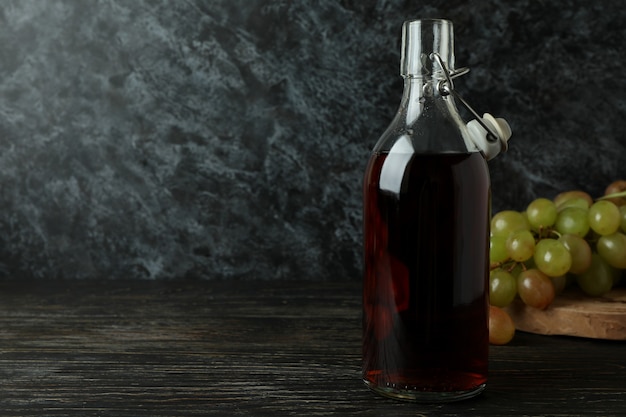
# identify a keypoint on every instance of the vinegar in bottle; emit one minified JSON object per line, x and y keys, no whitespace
{"x":426,"y":237}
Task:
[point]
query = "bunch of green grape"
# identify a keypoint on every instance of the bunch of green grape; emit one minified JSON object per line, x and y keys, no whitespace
{"x":571,"y":240}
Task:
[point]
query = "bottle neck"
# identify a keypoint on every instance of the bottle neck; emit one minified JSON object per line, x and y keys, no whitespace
{"x":427,"y":44}
{"x":421,"y":39}
{"x":421,"y":94}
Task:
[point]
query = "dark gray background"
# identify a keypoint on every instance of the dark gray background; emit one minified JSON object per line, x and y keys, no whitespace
{"x":227,"y":138}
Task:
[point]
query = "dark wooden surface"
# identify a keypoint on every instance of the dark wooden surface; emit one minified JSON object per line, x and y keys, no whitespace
{"x":185,"y":348}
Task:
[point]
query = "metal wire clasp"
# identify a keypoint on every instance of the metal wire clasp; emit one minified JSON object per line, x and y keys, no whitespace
{"x":446,"y":87}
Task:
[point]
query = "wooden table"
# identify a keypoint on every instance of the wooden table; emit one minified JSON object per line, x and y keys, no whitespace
{"x":253,"y":348}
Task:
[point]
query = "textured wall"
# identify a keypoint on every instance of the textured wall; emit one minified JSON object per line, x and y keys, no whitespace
{"x":227,"y":138}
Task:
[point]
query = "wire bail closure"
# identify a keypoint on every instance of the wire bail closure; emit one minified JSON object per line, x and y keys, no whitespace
{"x":446,"y":87}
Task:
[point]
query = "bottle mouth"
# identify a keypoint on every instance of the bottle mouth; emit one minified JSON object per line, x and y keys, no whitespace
{"x":420,"y":39}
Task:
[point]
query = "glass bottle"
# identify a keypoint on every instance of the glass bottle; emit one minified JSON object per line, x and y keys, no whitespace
{"x":426,"y":235}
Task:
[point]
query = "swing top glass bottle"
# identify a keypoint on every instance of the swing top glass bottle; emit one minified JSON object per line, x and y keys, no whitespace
{"x":426,"y":236}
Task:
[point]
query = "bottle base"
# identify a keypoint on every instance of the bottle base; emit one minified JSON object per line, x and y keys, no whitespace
{"x":424,"y":396}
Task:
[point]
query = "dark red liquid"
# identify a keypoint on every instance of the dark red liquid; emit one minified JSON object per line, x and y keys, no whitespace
{"x":425,"y":299}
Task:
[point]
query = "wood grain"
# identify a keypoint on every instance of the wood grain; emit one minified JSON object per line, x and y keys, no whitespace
{"x":202,"y":348}
{"x":575,"y":314}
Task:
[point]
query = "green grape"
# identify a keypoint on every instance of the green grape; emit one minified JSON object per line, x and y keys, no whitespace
{"x":604,"y":217}
{"x":598,"y":279}
{"x":541,"y":213}
{"x":552,"y":257}
{"x":502,"y":288}
{"x":561,"y":199}
{"x":622,"y":212}
{"x":507,"y":222}
{"x":497,"y":249}
{"x":580,"y":251}
{"x":535,"y":288}
{"x":520,"y":245}
{"x":572,"y":220}
{"x":577,"y":202}
{"x":612,"y":249}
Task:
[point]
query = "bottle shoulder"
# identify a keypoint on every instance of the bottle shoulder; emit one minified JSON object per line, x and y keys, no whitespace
{"x":431,"y":132}
{"x":429,"y":120}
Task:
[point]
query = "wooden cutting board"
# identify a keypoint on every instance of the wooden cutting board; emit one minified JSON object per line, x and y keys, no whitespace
{"x":574,"y":314}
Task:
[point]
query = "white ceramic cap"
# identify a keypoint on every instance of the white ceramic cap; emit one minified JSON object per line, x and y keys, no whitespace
{"x":478,"y":135}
